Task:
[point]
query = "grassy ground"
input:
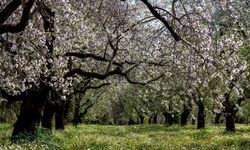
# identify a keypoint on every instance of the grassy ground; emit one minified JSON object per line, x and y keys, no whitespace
{"x":133,"y":137}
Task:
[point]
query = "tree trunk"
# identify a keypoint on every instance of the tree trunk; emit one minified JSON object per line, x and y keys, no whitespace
{"x":77,"y":118}
{"x":34,"y":99}
{"x":59,"y":120}
{"x":230,"y":122}
{"x":187,"y":108}
{"x":185,"y":114}
{"x":217,"y":118}
{"x":184,"y":117}
{"x":169,"y":119}
{"x":30,"y":115}
{"x":201,"y":116}
{"x":48,"y":114}
{"x":141,"y":119}
{"x":155,"y":119}
{"x":229,"y":113}
{"x":150,"y":119}
{"x":66,"y":110}
{"x":131,"y":121}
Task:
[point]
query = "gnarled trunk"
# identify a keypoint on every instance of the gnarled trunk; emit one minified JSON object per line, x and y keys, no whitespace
{"x":230,"y":122}
{"x":54,"y":106}
{"x":30,"y":114}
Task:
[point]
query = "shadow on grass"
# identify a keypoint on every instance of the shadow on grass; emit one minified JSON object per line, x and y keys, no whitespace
{"x":42,"y":136}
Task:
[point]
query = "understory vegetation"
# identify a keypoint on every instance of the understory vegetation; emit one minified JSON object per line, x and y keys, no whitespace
{"x":94,"y":137}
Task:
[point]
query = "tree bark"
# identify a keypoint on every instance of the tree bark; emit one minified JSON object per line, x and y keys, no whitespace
{"x":54,"y":106}
{"x":51,"y":111}
{"x":169,"y":119}
{"x":201,"y":116}
{"x":77,"y":119}
{"x":30,"y":114}
{"x":66,"y":110}
{"x":230,"y":122}
{"x":131,"y":121}
{"x":59,"y":120}
{"x":141,"y":119}
{"x":150,"y":119}
{"x":155,"y":119}
{"x":187,"y":108}
{"x":229,"y":113}
{"x":217,"y":118}
{"x":169,"y":114}
{"x":184,"y":117}
{"x":48,"y":114}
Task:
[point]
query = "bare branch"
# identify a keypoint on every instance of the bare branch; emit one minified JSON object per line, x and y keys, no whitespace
{"x":83,"y":90}
{"x":162,"y":19}
{"x":90,"y":105}
{"x":99,"y":58}
{"x":88,"y":55}
{"x":92,"y":74}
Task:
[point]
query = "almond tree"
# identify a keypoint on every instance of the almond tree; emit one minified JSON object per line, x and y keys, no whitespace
{"x":38,"y":38}
{"x":211,"y":31}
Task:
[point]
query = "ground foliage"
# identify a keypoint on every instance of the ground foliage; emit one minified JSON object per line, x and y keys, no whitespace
{"x":163,"y":137}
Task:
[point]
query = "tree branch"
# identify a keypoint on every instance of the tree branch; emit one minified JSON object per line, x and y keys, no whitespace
{"x":99,"y":58}
{"x":162,"y":19}
{"x":48,"y":18}
{"x":92,"y":74}
{"x":116,"y":71}
{"x":90,"y":105}
{"x":23,"y":22}
{"x":83,"y":90}
{"x":9,"y":97}
{"x":88,"y":55}
{"x":8,"y":10}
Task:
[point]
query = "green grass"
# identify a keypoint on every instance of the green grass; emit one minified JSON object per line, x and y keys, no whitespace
{"x":160,"y":137}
